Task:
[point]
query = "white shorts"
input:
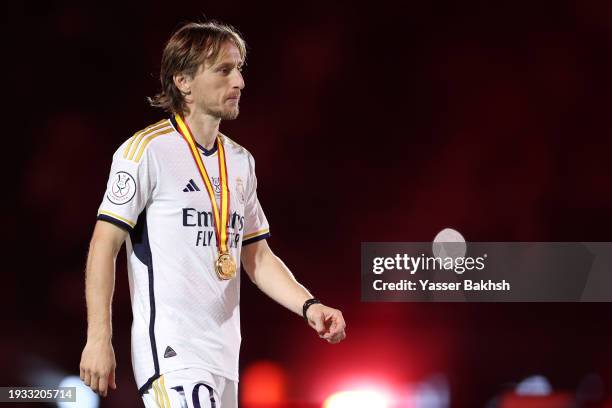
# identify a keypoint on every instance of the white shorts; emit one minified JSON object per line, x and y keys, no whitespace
{"x":191,"y":388}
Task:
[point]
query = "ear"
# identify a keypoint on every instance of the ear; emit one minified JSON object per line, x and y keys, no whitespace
{"x":183,"y":83}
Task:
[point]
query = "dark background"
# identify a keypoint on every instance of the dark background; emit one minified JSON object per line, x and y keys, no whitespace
{"x":369,"y":122}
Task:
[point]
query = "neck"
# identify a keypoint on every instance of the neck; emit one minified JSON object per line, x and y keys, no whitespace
{"x":204,"y":128}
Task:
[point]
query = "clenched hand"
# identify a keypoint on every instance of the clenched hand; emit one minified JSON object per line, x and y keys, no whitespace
{"x":98,"y":366}
{"x":328,"y":322}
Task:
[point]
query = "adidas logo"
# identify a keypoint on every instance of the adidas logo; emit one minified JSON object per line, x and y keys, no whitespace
{"x":169,"y":352}
{"x":191,"y":186}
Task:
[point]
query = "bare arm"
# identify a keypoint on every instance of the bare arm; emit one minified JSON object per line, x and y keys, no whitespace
{"x":273,"y":278}
{"x":98,"y":359}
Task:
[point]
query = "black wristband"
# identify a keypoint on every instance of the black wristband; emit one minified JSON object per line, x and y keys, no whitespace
{"x":307,"y":304}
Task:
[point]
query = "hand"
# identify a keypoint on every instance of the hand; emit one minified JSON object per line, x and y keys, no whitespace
{"x":98,"y":366}
{"x":328,"y":322}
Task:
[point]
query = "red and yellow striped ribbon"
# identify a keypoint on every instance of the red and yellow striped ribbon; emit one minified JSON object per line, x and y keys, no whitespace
{"x":220,"y":217}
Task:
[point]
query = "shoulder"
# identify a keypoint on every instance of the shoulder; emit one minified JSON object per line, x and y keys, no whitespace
{"x":145,"y":140}
{"x":236,"y":149}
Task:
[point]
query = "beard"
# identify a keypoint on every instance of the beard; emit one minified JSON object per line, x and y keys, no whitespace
{"x":225,"y":114}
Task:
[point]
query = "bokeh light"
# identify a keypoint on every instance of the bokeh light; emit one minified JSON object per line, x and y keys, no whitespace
{"x":357,"y":399}
{"x":264,"y":384}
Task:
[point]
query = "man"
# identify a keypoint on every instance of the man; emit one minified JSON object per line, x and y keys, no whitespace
{"x":185,"y":197}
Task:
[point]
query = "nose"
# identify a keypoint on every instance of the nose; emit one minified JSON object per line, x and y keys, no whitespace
{"x":238,"y":80}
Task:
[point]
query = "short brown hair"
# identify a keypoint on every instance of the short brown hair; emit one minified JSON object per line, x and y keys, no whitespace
{"x":188,"y":48}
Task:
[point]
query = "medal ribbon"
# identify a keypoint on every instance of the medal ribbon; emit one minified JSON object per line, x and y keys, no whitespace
{"x":220,"y":217}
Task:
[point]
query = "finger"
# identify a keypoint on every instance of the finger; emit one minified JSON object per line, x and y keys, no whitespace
{"x":103,"y":385}
{"x":340,"y":319}
{"x":329,"y":336}
{"x":94,"y":382}
{"x":337,"y":325}
{"x":111,"y":380}
{"x":342,"y":329}
{"x":338,"y":338}
{"x":86,"y":378}
{"x":332,"y":337}
{"x":332,"y":324}
{"x":319,"y":322}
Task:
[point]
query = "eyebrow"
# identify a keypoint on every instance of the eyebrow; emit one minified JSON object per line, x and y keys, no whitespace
{"x":228,"y":64}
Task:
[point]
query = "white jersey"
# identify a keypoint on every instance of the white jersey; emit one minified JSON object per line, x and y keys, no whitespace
{"x":184,"y":316}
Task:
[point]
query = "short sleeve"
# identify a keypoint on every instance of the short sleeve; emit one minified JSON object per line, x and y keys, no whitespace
{"x":256,"y":224}
{"x":129,"y":188}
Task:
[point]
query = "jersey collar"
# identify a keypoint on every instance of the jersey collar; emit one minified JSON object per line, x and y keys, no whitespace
{"x":205,"y":151}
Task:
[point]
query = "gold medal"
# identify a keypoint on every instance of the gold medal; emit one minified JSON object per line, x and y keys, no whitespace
{"x":225,"y":267}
